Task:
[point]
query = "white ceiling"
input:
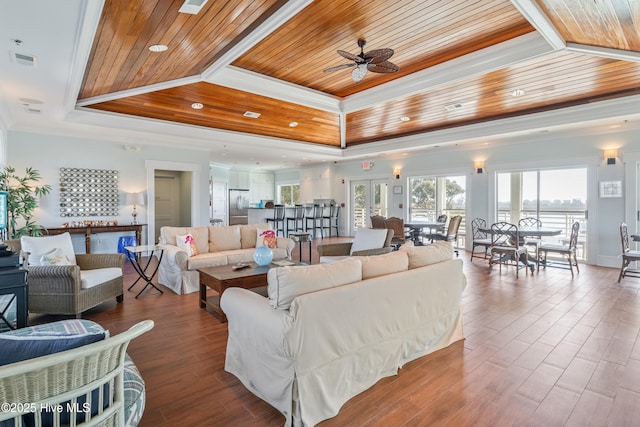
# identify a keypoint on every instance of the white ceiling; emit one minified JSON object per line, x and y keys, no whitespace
{"x":59,"y":34}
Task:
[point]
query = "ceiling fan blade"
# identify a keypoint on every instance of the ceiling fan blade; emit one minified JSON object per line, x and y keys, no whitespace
{"x":338,"y":67}
{"x":377,"y":56}
{"x":359,"y":72}
{"x":351,"y":56}
{"x":383,"y":67}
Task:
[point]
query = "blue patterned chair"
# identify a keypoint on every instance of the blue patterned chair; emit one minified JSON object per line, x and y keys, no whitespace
{"x":74,"y":368}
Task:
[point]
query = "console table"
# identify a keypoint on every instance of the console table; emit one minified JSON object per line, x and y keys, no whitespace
{"x":13,"y":283}
{"x":92,"y":229}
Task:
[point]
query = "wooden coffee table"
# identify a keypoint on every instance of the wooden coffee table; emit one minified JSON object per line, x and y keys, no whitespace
{"x":223,"y":277}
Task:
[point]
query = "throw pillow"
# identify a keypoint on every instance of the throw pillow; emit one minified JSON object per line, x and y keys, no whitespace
{"x":187,"y":244}
{"x":16,"y":348}
{"x":267,"y":238}
{"x":224,"y":238}
{"x":38,"y":246}
{"x":55,"y":257}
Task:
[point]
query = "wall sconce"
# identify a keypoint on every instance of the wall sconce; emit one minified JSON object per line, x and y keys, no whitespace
{"x":610,"y":155}
{"x":396,"y":173}
{"x":135,"y":199}
{"x":478,"y":165}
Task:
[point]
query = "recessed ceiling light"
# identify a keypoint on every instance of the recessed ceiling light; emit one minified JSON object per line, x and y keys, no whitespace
{"x":293,"y":124}
{"x":158,"y":48}
{"x":192,"y":7}
{"x":251,"y":114}
{"x":405,"y":118}
{"x":197,"y":106}
{"x":517,"y":92}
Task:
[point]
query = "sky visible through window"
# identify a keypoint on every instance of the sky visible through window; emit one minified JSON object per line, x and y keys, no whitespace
{"x":556,"y":186}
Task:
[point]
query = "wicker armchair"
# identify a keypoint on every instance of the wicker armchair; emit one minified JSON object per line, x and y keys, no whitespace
{"x":344,"y":249}
{"x":57,"y":289}
{"x":99,"y":372}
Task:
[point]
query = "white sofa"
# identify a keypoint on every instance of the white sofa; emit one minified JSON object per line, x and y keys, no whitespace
{"x":215,"y":246}
{"x":327,"y":332}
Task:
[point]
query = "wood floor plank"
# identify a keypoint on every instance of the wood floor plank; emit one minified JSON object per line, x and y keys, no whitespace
{"x":543,"y":349}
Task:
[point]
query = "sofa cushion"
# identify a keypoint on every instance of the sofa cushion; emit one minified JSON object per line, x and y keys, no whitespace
{"x":379,"y":265}
{"x":200,"y":237}
{"x":168,"y":234}
{"x":55,"y":257}
{"x":187,"y":243}
{"x":419,"y":256}
{"x":224,"y":238}
{"x":249,"y":234}
{"x":368,"y":238}
{"x":210,"y":259}
{"x":286,"y":283}
{"x":38,"y":246}
{"x":97,"y":276}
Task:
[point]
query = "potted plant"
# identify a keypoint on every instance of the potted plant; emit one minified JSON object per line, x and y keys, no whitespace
{"x":22,"y":200}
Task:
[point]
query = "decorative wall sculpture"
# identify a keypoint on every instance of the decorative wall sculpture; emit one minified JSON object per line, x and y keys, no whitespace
{"x":88,"y":192}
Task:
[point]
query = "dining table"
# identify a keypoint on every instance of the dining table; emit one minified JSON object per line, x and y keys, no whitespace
{"x":416,"y":228}
{"x":537,"y":232}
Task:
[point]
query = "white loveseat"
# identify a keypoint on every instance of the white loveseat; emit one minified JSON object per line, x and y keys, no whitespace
{"x":327,"y":332}
{"x":215,"y":246}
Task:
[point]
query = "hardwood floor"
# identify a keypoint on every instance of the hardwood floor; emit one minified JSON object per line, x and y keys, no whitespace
{"x":541,"y":350}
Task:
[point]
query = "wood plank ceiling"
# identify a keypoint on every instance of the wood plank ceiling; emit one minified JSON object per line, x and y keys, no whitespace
{"x":122,"y":70}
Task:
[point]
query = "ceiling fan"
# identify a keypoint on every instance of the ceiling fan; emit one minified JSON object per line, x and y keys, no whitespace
{"x":374,"y":61}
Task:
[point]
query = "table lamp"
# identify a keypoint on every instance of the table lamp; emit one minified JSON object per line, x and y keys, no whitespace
{"x":135,"y":199}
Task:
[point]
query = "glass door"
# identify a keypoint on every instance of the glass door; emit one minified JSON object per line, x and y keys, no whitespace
{"x":368,"y":197}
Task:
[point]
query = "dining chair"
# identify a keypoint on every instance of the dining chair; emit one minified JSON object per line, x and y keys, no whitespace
{"x":479,"y":236}
{"x":397,"y":225}
{"x":451,"y":234}
{"x":628,"y":255}
{"x":377,"y":221}
{"x":563,"y":250}
{"x":505,"y":247}
{"x":278,"y":219}
{"x":531,"y":242}
{"x":297,"y":219}
{"x":443,"y":219}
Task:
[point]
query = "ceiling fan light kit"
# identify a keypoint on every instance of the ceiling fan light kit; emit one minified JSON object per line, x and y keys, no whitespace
{"x":375,"y":61}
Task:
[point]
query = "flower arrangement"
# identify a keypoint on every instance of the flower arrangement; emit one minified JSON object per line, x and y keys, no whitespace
{"x":269,"y":238}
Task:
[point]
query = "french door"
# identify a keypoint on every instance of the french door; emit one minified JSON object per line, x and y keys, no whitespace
{"x":368,"y":197}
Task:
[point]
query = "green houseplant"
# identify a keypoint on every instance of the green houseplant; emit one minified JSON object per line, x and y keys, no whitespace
{"x":22,"y":200}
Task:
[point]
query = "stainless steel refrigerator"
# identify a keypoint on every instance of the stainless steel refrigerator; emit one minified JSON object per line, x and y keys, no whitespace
{"x":238,"y":206}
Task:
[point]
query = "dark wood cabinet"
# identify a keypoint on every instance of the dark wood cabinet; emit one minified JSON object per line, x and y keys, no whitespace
{"x":13,"y":281}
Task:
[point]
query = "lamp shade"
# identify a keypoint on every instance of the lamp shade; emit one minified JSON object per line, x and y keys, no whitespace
{"x":135,"y":199}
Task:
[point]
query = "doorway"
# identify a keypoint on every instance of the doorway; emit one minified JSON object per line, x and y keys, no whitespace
{"x":368,"y":197}
{"x":188,"y":189}
{"x":173,"y":195}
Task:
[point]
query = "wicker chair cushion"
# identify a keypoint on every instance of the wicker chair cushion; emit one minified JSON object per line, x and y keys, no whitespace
{"x":98,"y":276}
{"x":33,"y":342}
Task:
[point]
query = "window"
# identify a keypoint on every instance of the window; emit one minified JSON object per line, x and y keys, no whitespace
{"x":289,"y":194}
{"x":433,"y":196}
{"x":557,"y":197}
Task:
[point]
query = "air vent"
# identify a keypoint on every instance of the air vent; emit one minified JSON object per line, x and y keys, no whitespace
{"x":251,"y":114}
{"x":33,"y":110}
{"x":453,"y":107}
{"x":192,"y":7}
{"x":23,"y":59}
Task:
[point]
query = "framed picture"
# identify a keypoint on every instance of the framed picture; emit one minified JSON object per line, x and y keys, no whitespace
{"x":397,"y":189}
{"x":610,"y":189}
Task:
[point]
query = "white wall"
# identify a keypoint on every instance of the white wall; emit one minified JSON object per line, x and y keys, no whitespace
{"x":48,"y":153}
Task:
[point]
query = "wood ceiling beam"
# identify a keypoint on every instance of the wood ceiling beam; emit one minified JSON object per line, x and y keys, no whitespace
{"x":279,"y":18}
{"x":536,"y":17}
{"x":624,"y":55}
